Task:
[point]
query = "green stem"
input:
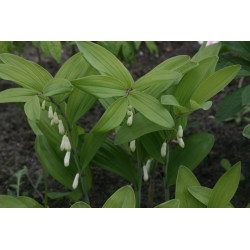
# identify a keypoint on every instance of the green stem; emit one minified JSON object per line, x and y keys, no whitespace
{"x":73,"y":47}
{"x":151,"y":184}
{"x":38,"y":55}
{"x":165,"y":172}
{"x":74,"y":152}
{"x":45,"y":188}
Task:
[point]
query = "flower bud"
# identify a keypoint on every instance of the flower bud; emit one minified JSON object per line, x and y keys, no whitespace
{"x":148,"y":164}
{"x":75,"y":182}
{"x":50,"y":114}
{"x":130,"y":107}
{"x":129,"y":113}
{"x":52,"y":122}
{"x":55,"y":118}
{"x":180,"y":132}
{"x":130,"y":120}
{"x":67,"y":144}
{"x":145,"y":173}
{"x":43,"y":105}
{"x":181,"y":142}
{"x":67,"y":159}
{"x":62,"y":147}
{"x":163,"y":149}
{"x":132,"y":146}
{"x":61,"y":127}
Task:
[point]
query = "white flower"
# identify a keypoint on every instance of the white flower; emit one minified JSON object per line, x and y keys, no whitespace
{"x":129,"y":113}
{"x":148,"y":163}
{"x":180,"y":132}
{"x":163,"y":149}
{"x":145,"y":173}
{"x":52,"y":122}
{"x":50,"y":114}
{"x":181,"y":142}
{"x":65,"y":144}
{"x":61,"y":127}
{"x":55,"y":118}
{"x":75,"y":182}
{"x":43,"y":105}
{"x":130,"y":120}
{"x":132,"y":146}
{"x":67,"y":159}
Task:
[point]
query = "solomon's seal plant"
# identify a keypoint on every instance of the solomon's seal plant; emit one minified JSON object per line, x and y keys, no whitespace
{"x":147,"y":115}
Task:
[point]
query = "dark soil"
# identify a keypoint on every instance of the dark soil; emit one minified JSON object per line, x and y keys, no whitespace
{"x":17,"y":139}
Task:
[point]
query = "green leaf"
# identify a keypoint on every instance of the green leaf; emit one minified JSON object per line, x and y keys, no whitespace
{"x":112,"y":117}
{"x":91,"y":145}
{"x":45,"y":48}
{"x":55,"y":49}
{"x":80,"y":204}
{"x":58,"y":195}
{"x":32,"y":108}
{"x":137,"y":44}
{"x":127,"y":52}
{"x":202,"y":194}
{"x":185,"y":179}
{"x":246,"y":131}
{"x":225,"y":187}
{"x":205,"y":106}
{"x":122,"y":198}
{"x":57,"y":86}
{"x":52,"y":161}
{"x":7,"y":201}
{"x":211,"y":50}
{"x":105,"y":62}
{"x":231,"y":105}
{"x":75,"y":67}
{"x":152,"y":47}
{"x":6,"y":46}
{"x":163,"y":77}
{"x":100,"y":86}
{"x":29,"y":202}
{"x":35,"y":43}
{"x":23,"y":72}
{"x":79,"y":103}
{"x":197,"y":147}
{"x":16,"y":95}
{"x":246,"y":95}
{"x":198,"y":55}
{"x":114,"y":159}
{"x":169,"y":204}
{"x":169,"y":100}
{"x":172,"y":64}
{"x":151,"y":108}
{"x":191,"y":81}
{"x":140,"y":127}
{"x":215,"y":83}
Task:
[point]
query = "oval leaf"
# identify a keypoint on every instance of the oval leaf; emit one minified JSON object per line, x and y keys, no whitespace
{"x":175,"y":203}
{"x":80,"y":204}
{"x":32,"y":108}
{"x":16,"y":95}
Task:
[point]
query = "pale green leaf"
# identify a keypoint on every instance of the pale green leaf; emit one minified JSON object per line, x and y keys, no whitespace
{"x":29,"y":202}
{"x":55,"y":49}
{"x":57,"y":86}
{"x":32,"y":108}
{"x":7,"y":201}
{"x":80,"y":204}
{"x":202,"y":194}
{"x":175,"y":203}
{"x":169,"y":100}
{"x":16,"y":95}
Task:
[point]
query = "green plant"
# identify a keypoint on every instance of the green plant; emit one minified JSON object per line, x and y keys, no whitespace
{"x":147,"y":115}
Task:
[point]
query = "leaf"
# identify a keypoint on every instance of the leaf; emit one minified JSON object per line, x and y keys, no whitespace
{"x":79,"y":103}
{"x":185,"y":179}
{"x":246,"y":131}
{"x":152,"y":47}
{"x":16,"y":95}
{"x":7,"y":201}
{"x":105,"y":62}
{"x":112,"y":117}
{"x":23,"y":72}
{"x":45,"y":48}
{"x":55,"y":49}
{"x":169,"y":204}
{"x":169,"y":100}
{"x":122,"y":198}
{"x":127,"y":52}
{"x":29,"y":202}
{"x":57,"y":86}
{"x":100,"y":86}
{"x":230,"y":105}
{"x":58,"y":195}
{"x":80,"y":204}
{"x":225,"y":187}
{"x":228,"y":60}
{"x":211,"y":50}
{"x":114,"y":159}
{"x":75,"y":67}
{"x":52,"y":161}
{"x":172,"y":64}
{"x":215,"y":83}
{"x":163,"y":77}
{"x":246,"y":95}
{"x":137,"y":44}
{"x":198,"y":55}
{"x":32,"y":108}
{"x":202,"y":194}
{"x":151,"y":108}
{"x":197,"y":147}
{"x":91,"y":145}
{"x":191,"y":81}
{"x":140,"y":127}
{"x":205,"y":106}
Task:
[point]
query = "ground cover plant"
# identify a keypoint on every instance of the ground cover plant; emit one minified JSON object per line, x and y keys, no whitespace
{"x":142,"y":121}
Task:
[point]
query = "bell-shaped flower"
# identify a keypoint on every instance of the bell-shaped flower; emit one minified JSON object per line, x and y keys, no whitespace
{"x":50,"y":113}
{"x":61,"y":127}
{"x":132,"y":146}
{"x":67,"y":159}
{"x":181,"y":142}
{"x":145,"y":173}
{"x":75,"y":182}
{"x":163,"y":149}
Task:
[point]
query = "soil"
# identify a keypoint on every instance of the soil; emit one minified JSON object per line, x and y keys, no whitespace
{"x":17,"y":139}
